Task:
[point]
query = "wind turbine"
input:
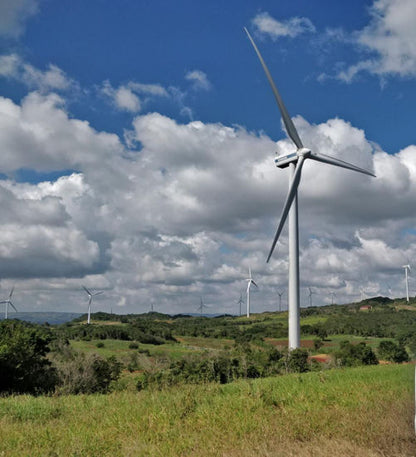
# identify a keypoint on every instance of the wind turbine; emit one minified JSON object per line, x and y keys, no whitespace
{"x":406,"y":270}
{"x":280,"y":293}
{"x":8,"y":302}
{"x":333,"y":294}
{"x":363,"y":294}
{"x":201,"y":306}
{"x":249,"y":283}
{"x":311,"y":292}
{"x":294,"y":161}
{"x":240,"y":301}
{"x":90,"y":295}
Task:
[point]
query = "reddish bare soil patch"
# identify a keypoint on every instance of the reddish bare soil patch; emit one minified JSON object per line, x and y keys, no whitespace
{"x":322,"y":358}
{"x":284,"y":343}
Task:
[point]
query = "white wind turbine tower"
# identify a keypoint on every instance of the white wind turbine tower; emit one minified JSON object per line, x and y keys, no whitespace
{"x":333,"y":294}
{"x":249,"y":283}
{"x":294,"y":161}
{"x":280,"y":293}
{"x":406,"y":270}
{"x":8,"y":302}
{"x":240,"y":301}
{"x":311,"y":292}
{"x":201,"y":306}
{"x":363,"y":294}
{"x":90,"y":295}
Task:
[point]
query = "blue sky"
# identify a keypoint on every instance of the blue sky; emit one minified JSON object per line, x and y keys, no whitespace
{"x":138,"y":143}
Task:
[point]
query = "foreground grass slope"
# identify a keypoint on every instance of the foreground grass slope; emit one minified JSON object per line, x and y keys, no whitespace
{"x":358,"y":412}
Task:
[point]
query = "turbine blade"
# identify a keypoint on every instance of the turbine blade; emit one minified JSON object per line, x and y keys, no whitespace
{"x":11,"y":293}
{"x":11,"y":304}
{"x":254,"y":283}
{"x":86,"y":290}
{"x":98,"y":293}
{"x":339,"y":163}
{"x":289,"y":199}
{"x":290,"y":127}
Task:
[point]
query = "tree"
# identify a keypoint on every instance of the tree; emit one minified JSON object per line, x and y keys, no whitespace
{"x":350,"y":355}
{"x":388,"y":350}
{"x":24,"y":367}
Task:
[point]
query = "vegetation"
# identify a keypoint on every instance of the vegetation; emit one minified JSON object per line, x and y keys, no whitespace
{"x":151,"y":374}
{"x":23,"y":363}
{"x":360,"y":412}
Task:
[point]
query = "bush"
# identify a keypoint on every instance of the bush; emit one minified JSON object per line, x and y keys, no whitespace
{"x":388,"y":350}
{"x":295,"y":361}
{"x":317,"y":344}
{"x":88,"y":374}
{"x":350,"y":355}
{"x":133,"y":346}
{"x":24,"y":367}
{"x":100,"y":344}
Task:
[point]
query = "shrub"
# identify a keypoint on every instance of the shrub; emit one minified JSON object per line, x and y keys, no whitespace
{"x":100,"y":344}
{"x":350,"y":355}
{"x":388,"y":350}
{"x":24,"y":367}
{"x":296,"y":361}
{"x":87,"y":374}
{"x":317,"y":343}
{"x":133,"y":346}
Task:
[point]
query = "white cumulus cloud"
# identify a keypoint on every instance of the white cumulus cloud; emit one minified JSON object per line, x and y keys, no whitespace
{"x":389,"y":40}
{"x":14,"y":14}
{"x":271,"y":27}
{"x":131,"y":96}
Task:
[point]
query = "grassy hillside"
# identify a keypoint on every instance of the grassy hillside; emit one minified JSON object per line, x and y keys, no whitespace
{"x":361,"y":412}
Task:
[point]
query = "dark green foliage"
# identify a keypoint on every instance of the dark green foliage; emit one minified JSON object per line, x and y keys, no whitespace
{"x":350,"y":355}
{"x":295,"y":361}
{"x":146,"y":332}
{"x":388,"y":350}
{"x":243,"y":362}
{"x":24,"y":367}
{"x":87,"y":374}
{"x":100,"y":344}
{"x":317,"y":343}
{"x":380,"y":323}
{"x":133,"y":346}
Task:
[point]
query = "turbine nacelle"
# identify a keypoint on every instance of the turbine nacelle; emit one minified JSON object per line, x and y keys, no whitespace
{"x":284,"y":160}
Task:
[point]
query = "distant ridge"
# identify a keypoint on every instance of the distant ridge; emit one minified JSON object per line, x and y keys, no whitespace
{"x":41,"y":317}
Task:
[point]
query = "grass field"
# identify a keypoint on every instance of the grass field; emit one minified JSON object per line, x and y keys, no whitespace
{"x":360,"y":412}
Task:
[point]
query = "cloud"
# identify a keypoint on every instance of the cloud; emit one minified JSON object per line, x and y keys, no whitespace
{"x":189,"y":212}
{"x":267,"y":25}
{"x":14,"y":14}
{"x":129,"y":97}
{"x":52,"y":79}
{"x":389,"y":41}
{"x":199,"y":80}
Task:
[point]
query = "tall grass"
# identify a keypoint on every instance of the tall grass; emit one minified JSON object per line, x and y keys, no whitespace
{"x":358,"y":412}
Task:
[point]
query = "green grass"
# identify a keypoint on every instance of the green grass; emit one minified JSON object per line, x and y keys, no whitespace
{"x":360,"y":412}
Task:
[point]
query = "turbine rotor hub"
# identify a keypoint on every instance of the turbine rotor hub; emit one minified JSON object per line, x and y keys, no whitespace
{"x":304,"y":152}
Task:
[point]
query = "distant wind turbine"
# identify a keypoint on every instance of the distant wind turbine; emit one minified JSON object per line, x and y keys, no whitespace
{"x":406,"y":270}
{"x":333,"y":294}
{"x":363,"y":294}
{"x":311,"y":292}
{"x":294,"y":161}
{"x":240,"y":302}
{"x":249,"y":283}
{"x":280,"y":293}
{"x":201,"y":306}
{"x":90,"y":295}
{"x":8,"y":302}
